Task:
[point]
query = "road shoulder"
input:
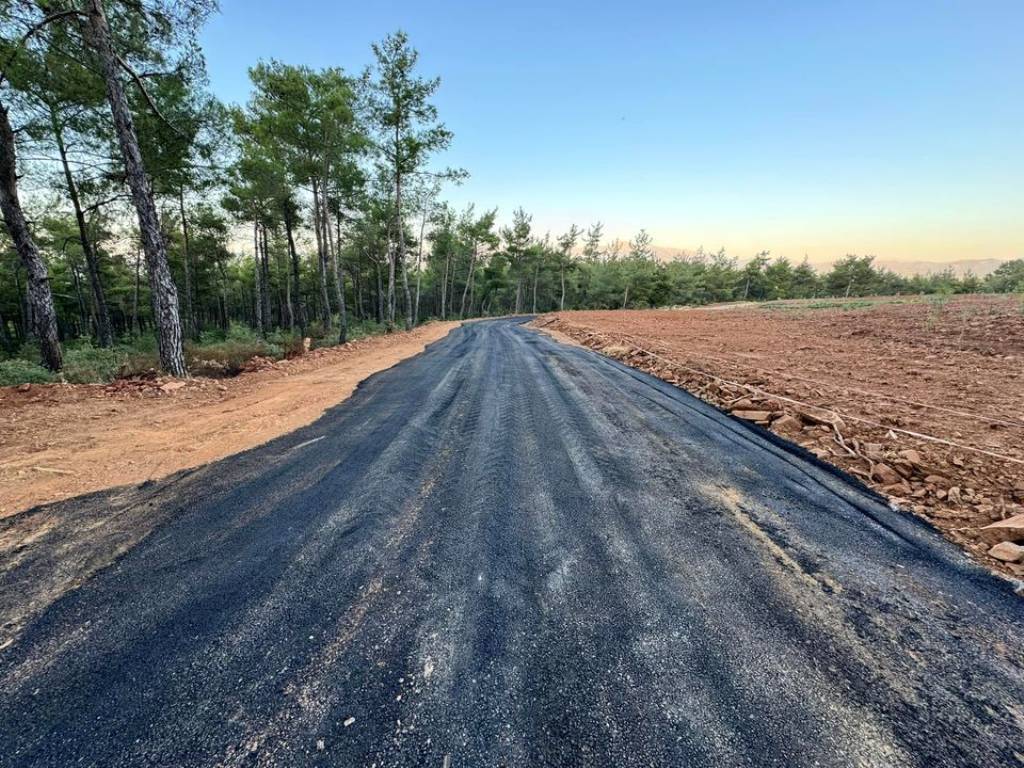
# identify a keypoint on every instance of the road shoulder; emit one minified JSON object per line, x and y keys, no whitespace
{"x":61,"y":441}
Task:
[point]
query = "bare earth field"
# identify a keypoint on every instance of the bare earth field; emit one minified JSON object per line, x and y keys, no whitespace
{"x":59,"y":441}
{"x":850,"y":381}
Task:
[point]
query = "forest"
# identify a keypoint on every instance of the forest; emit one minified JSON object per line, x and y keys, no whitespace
{"x":148,"y":225}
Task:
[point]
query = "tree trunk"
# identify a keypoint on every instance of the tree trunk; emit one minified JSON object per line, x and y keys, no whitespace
{"x":165,"y":294}
{"x":325,"y":299}
{"x":519,"y":294}
{"x":444,"y":283}
{"x":401,"y":249}
{"x":191,"y":320}
{"x":380,"y":294}
{"x":104,"y":334}
{"x":224,"y":322}
{"x":268,"y":316}
{"x":561,"y":299}
{"x":357,"y":289}
{"x":135,"y":296}
{"x":288,"y":308}
{"x":469,"y":279}
{"x":39,"y":297}
{"x":536,"y":277}
{"x":22,"y":326}
{"x":299,"y":308}
{"x":83,"y":312}
{"x":261,"y":325}
{"x":5,"y":335}
{"x":391,"y":290}
{"x":339,"y":286}
{"x":451,"y":290}
{"x":419,"y":270}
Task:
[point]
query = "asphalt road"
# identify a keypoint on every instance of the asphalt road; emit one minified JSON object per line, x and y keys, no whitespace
{"x":511,"y":552}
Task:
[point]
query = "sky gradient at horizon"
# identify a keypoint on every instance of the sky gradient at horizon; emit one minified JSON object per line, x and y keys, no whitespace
{"x":813,"y":128}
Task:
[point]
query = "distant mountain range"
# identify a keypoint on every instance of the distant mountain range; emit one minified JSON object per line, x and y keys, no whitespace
{"x":961,"y":267}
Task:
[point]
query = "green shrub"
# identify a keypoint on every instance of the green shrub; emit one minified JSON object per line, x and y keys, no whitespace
{"x":212,"y":336}
{"x":228,"y":358}
{"x":241,"y":332}
{"x":363,"y":328}
{"x":137,"y":362}
{"x":18,"y":371}
{"x":86,"y":364}
{"x":29,"y":352}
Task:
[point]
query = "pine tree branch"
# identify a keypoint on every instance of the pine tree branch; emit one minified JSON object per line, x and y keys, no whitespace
{"x":57,"y":16}
{"x":145,"y":94}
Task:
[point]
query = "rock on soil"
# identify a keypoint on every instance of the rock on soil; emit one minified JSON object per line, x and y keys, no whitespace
{"x":1011,"y":529}
{"x":1007,"y":552}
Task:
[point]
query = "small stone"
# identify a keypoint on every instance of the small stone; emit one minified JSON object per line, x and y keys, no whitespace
{"x":1008,"y":552}
{"x":885,"y":474}
{"x":349,"y":722}
{"x":874,"y":451}
{"x":758,"y":416}
{"x":787,"y":423}
{"x":904,"y":468}
{"x":1010,"y":529}
{"x":320,"y":746}
{"x":912,"y":456}
{"x":823,"y":417}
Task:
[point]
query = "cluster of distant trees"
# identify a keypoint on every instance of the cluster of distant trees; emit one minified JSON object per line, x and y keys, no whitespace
{"x":521,"y":273}
{"x":136,"y":205}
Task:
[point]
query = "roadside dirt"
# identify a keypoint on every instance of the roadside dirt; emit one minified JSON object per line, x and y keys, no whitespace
{"x":59,"y":440}
{"x":848,"y":381}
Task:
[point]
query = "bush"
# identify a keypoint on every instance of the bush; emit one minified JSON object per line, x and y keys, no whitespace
{"x":289,"y":343}
{"x":228,"y":358}
{"x":18,"y":371}
{"x":86,"y":364}
{"x":241,"y":332}
{"x":137,"y":362}
{"x":361,"y":329}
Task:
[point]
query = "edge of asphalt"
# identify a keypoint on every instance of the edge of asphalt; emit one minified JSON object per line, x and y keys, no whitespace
{"x":146,"y":493}
{"x":178,"y":474}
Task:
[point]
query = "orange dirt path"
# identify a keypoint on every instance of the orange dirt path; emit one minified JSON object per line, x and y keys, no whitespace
{"x":59,"y":441}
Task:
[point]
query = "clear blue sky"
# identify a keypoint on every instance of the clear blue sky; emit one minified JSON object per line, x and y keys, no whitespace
{"x":820,"y":127}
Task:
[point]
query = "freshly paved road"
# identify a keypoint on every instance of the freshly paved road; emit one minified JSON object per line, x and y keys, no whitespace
{"x":512,"y":552}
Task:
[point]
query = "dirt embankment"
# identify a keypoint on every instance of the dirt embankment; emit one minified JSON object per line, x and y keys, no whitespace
{"x":58,"y":440}
{"x":921,"y":399}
